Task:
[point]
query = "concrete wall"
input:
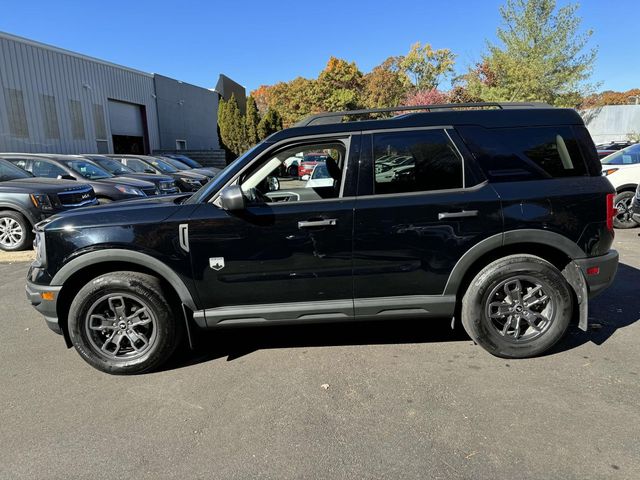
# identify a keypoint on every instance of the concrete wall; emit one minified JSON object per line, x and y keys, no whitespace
{"x":54,"y":100}
{"x":186,"y":112}
{"x":612,"y":122}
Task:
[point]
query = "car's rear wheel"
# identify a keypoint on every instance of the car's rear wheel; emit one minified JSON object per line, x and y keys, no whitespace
{"x":15,"y":231}
{"x":624,"y":218}
{"x":121,"y":323}
{"x":517,"y":307}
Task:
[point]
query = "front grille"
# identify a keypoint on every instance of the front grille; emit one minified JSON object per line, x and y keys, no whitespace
{"x":76,"y":198}
{"x":150,"y":191}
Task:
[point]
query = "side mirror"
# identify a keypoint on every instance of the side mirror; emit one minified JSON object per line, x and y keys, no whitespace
{"x":273,"y":184}
{"x":232,"y":198}
{"x":65,"y":177}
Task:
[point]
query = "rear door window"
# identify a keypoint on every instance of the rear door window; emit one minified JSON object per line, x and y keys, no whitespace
{"x":511,"y":154}
{"x":417,"y":161}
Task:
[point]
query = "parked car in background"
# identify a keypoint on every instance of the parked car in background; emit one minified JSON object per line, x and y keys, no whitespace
{"x":209,"y":172}
{"x":107,"y":187}
{"x":309,"y":162}
{"x":26,"y":200}
{"x":184,"y":159}
{"x":166,"y":185}
{"x":605,"y":149}
{"x":319,"y":177}
{"x":622,"y":168}
{"x":185,"y":180}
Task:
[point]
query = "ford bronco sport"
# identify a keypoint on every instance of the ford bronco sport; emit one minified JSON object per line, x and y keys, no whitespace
{"x":497,"y":215}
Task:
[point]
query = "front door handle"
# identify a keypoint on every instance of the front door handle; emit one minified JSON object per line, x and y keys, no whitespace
{"x":462,"y":214}
{"x":330,"y":222}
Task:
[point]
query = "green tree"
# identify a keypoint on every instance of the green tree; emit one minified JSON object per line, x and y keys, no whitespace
{"x":270,"y":123}
{"x":252,"y":119}
{"x":542,"y":56}
{"x":233,"y":132}
{"x":339,"y":85}
{"x":426,"y":67}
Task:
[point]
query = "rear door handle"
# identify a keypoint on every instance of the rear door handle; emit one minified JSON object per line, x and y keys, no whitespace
{"x":462,"y":214}
{"x":330,"y":222}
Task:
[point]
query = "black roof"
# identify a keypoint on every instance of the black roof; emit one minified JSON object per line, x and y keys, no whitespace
{"x":514,"y":116}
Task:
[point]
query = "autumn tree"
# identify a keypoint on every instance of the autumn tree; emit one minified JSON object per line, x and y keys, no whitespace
{"x":542,"y":56}
{"x":385,"y":86}
{"x":426,"y":97}
{"x":426,"y":67}
{"x":339,"y":85}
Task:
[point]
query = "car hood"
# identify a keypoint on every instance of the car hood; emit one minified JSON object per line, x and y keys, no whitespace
{"x":208,"y":172}
{"x":150,"y":209}
{"x":131,"y":182}
{"x":41,"y":185}
{"x":146,"y":177}
{"x":190,"y":174}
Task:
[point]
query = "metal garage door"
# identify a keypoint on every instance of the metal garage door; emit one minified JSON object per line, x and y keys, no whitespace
{"x":125,"y":119}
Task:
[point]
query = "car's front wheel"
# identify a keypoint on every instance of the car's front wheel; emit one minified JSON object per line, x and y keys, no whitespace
{"x":15,"y":231}
{"x":624,"y":218}
{"x":121,"y":323}
{"x":517,"y":307}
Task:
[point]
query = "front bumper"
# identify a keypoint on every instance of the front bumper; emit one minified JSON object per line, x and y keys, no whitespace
{"x":599,"y":272}
{"x":46,"y":307}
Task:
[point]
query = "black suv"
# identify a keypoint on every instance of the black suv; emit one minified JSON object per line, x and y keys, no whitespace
{"x":186,"y":180}
{"x":498,"y":216}
{"x":26,"y":200}
{"x":165,"y":184}
{"x":108,"y":188}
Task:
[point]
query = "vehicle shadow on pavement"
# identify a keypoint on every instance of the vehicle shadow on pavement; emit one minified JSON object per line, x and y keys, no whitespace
{"x":237,"y":342}
{"x":617,"y":307}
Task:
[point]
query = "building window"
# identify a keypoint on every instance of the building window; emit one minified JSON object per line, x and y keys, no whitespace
{"x":98,"y":122}
{"x":16,"y":113}
{"x":77,"y":121}
{"x":50,"y":116}
{"x":181,"y":144}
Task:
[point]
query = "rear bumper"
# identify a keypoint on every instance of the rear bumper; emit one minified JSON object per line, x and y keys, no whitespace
{"x":607,"y":266}
{"x":46,"y":307}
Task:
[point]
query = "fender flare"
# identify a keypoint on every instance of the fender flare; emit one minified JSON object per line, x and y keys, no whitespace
{"x":127,"y":256}
{"x":627,"y":187}
{"x":511,"y":237}
{"x":18,"y":208}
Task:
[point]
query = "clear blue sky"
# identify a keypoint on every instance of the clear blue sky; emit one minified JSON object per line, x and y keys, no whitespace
{"x":263,"y":42}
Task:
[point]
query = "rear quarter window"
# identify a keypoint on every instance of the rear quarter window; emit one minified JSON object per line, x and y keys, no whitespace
{"x":525,"y":153}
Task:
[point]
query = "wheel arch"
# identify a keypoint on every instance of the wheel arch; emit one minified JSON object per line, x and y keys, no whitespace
{"x":19,"y":209}
{"x":627,"y":187}
{"x":86,"y":267}
{"x":553,"y":247}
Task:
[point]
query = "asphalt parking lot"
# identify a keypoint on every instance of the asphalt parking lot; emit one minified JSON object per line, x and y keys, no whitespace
{"x":388,"y":400}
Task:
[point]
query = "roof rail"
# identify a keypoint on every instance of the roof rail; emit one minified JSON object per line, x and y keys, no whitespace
{"x":337,"y":117}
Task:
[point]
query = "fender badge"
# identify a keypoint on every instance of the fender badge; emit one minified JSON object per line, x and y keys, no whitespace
{"x":217,"y":263}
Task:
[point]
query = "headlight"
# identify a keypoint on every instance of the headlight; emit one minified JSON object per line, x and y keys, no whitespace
{"x":190,"y":181}
{"x":167,"y":185}
{"x":40,"y":247}
{"x":130,"y":190}
{"x":42,"y":201}
{"x":609,"y":171}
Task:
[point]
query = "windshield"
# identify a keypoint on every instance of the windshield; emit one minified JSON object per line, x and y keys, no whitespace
{"x":113,"y":166}
{"x":88,"y":170}
{"x":162,"y":165}
{"x":626,"y":156}
{"x":176,"y":163}
{"x":220,"y":179}
{"x":11,"y":172}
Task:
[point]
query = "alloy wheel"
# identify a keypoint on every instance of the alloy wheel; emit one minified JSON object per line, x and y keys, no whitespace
{"x":11,"y":232}
{"x":121,"y":326}
{"x":624,"y":210}
{"x":520,"y":308}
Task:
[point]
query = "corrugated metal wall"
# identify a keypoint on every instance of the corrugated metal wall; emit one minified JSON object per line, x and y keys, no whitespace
{"x":30,"y":74}
{"x":612,"y":122}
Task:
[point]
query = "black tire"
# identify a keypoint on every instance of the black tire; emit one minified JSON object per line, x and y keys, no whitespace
{"x":624,"y":218}
{"x":104,"y":201}
{"x":482,"y":299}
{"x":15,"y":231}
{"x":162,"y":332}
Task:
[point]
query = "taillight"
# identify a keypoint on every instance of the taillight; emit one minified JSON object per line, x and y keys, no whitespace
{"x":611,"y":211}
